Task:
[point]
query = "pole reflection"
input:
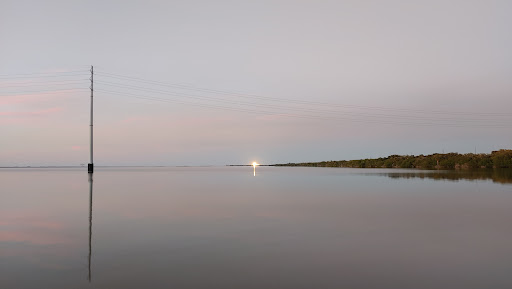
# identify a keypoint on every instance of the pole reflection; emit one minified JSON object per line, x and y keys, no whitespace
{"x":90,"y":225}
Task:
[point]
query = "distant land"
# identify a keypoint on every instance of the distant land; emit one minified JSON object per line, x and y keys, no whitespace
{"x":450,"y":161}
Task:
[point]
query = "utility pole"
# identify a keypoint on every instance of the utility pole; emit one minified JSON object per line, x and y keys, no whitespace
{"x":90,"y":166}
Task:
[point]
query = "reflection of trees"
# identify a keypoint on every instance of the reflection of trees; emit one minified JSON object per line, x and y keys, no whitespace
{"x":503,"y":176}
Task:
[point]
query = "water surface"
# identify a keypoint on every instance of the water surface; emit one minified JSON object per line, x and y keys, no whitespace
{"x":222,"y":227}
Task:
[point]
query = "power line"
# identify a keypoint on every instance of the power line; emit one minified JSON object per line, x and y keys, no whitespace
{"x":243,"y":95}
{"x":43,"y":73}
{"x":41,"y":76}
{"x":32,"y":84}
{"x":305,"y":116}
{"x":255,"y":104}
{"x":23,"y":81}
{"x":296,"y":109}
{"x":44,"y":91}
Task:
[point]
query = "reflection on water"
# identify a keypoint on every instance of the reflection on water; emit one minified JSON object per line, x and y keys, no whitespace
{"x":254,"y":165}
{"x":296,"y":228}
{"x":90,"y":225}
{"x":503,"y":176}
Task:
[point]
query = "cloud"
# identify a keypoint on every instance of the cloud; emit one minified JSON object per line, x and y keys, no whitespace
{"x":27,"y":116}
{"x":38,"y":112}
{"x":134,"y":119}
{"x":76,"y":148}
{"x":276,"y":116}
{"x":33,"y":97}
{"x":32,"y":230}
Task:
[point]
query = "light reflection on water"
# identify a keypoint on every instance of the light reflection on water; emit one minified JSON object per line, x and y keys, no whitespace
{"x":223,"y":228}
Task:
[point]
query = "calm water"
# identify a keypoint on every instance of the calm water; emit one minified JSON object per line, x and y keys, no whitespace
{"x":283,"y":228}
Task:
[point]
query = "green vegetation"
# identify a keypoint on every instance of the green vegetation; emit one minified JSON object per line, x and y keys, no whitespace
{"x":449,"y":161}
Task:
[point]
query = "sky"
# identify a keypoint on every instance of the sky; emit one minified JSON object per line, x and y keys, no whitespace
{"x":231,"y":82}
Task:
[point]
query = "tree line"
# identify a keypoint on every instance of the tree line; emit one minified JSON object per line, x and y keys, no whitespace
{"x":496,"y":159}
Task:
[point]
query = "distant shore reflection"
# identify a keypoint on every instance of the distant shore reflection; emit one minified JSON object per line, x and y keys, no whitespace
{"x":502,"y":176}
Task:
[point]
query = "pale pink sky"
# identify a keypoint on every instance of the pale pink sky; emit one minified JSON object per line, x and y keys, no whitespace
{"x":399,"y":77}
